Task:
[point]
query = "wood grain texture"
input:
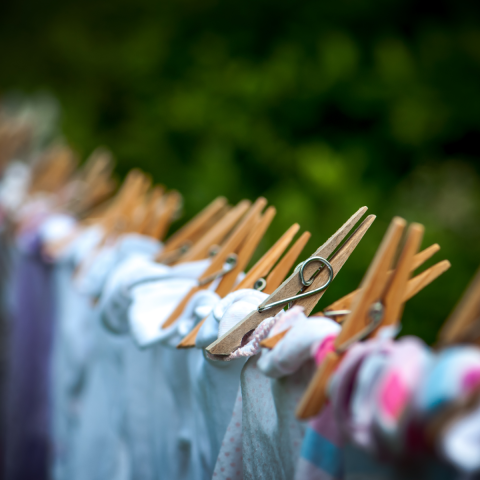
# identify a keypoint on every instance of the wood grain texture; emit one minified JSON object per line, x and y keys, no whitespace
{"x":173,"y":200}
{"x":420,"y":258}
{"x":217,"y":234}
{"x":231,"y":245}
{"x":246,"y":252}
{"x":373,"y":284}
{"x":337,"y":262}
{"x":278,"y":274}
{"x":393,"y":298}
{"x":265,"y":264}
{"x":291,"y":286}
{"x":191,"y":228}
{"x":419,"y":282}
{"x":315,"y":396}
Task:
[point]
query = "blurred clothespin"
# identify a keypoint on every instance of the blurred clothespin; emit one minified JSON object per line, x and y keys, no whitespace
{"x":340,"y":308}
{"x":378,"y":304}
{"x":228,"y":254}
{"x":182,"y":240}
{"x":463,"y":325}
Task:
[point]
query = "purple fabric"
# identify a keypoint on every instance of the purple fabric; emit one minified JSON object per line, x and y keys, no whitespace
{"x":28,"y":416}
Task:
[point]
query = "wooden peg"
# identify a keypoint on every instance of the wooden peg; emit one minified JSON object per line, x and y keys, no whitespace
{"x":393,"y":299}
{"x":414,"y":285}
{"x":197,"y":224}
{"x":259,"y":270}
{"x":265,"y":264}
{"x":230,"y":246}
{"x":420,"y":258}
{"x":342,"y":257}
{"x":459,"y":326}
{"x":418,"y":283}
{"x":229,"y":342}
{"x":372,"y":287}
{"x":217,"y":234}
{"x":172,"y":204}
{"x":245,"y":254}
{"x":278,"y":274}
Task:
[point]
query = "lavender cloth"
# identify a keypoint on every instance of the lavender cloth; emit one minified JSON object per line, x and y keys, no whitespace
{"x":28,"y":416}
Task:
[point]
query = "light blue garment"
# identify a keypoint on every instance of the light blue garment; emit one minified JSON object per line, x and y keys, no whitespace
{"x":137,"y":432}
{"x":215,"y":383}
{"x":71,"y":348}
{"x":72,"y":340}
{"x":101,"y":448}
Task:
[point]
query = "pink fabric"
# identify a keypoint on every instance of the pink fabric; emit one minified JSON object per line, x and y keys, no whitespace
{"x":471,"y":380}
{"x":394,"y":395}
{"x":286,"y":319}
{"x":327,"y":346}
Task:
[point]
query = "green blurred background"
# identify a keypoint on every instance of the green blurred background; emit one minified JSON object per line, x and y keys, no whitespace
{"x":322,"y":107}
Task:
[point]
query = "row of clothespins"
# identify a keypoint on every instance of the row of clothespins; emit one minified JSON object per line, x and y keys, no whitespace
{"x":230,"y":235}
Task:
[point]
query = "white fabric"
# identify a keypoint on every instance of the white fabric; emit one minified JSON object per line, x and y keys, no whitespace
{"x":56,"y":227}
{"x":238,"y":304}
{"x":152,"y":302}
{"x":265,"y":442}
{"x":215,"y":383}
{"x":95,"y":273}
{"x":460,"y":443}
{"x":14,"y":185}
{"x":294,"y":349}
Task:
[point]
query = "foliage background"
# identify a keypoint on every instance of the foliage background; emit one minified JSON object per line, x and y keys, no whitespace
{"x":320,"y":106}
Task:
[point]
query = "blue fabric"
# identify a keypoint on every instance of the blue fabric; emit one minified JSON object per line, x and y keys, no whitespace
{"x":321,"y":452}
{"x":72,"y":342}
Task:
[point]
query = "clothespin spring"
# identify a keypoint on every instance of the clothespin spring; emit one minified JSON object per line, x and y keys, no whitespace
{"x":306,"y":283}
{"x":230,"y":263}
{"x":375,"y":315}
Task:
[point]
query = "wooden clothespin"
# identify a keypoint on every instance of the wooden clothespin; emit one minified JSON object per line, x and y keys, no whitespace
{"x":264,"y":276}
{"x":52,"y":172}
{"x":227,"y":254}
{"x":170,"y":207}
{"x":216,"y":234}
{"x":463,"y":325}
{"x":93,"y":183}
{"x":341,"y":307}
{"x":15,"y":136}
{"x":307,"y":279}
{"x":379,"y":304}
{"x":181,"y":241}
{"x":255,"y":277}
{"x":150,"y":214}
{"x":227,"y":282}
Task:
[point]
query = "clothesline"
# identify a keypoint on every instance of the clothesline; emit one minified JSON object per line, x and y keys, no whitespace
{"x":100,"y":298}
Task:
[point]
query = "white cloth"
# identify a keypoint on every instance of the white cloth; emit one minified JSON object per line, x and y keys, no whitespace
{"x":106,"y":400}
{"x":153,"y":301}
{"x":159,"y":412}
{"x":460,"y":443}
{"x":98,"y":268}
{"x":265,"y":443}
{"x":214,"y":382}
